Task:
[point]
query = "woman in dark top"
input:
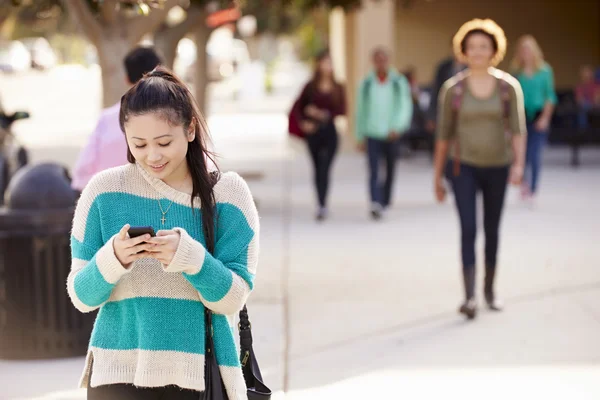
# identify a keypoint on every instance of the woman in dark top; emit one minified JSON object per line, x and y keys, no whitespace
{"x":321,"y":101}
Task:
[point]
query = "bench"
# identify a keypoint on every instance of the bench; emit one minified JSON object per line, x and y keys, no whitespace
{"x":565,"y":129}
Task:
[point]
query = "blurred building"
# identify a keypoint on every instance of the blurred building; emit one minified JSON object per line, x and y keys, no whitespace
{"x":418,"y":33}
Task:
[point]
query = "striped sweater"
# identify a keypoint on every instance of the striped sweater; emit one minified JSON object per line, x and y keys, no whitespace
{"x":150,"y":326}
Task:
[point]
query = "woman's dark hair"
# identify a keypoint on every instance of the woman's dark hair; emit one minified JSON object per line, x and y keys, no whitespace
{"x":463,"y":44}
{"x":336,"y":92}
{"x":161,"y":92}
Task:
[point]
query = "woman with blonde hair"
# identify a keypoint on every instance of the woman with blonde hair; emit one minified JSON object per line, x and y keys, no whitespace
{"x":481,"y":118}
{"x":537,"y":80}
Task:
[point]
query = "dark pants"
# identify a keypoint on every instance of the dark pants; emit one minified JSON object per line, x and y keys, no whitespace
{"x":378,"y":151}
{"x":323,"y":147}
{"x":129,"y":392}
{"x":492,"y":183}
{"x":536,"y":140}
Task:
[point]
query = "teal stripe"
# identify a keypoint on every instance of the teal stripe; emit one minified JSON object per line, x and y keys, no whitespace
{"x":234,"y":234}
{"x":225,"y":347}
{"x":213,"y":281}
{"x":160,"y":324}
{"x":81,"y":251}
{"x":233,"y":242}
{"x":93,"y":228}
{"x":90,"y":286}
{"x":150,"y":323}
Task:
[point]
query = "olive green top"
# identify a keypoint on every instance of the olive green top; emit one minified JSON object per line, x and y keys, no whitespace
{"x":480,"y":125}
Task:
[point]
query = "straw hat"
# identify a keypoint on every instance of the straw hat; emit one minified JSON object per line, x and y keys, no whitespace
{"x":486,"y":25}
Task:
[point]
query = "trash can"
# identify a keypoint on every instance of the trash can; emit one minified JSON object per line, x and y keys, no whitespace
{"x":37,"y":319}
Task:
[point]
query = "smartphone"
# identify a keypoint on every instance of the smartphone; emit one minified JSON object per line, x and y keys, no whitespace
{"x":136,"y":231}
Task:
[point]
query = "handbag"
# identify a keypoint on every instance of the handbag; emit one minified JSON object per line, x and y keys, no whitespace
{"x":295,"y":114}
{"x":293,"y":121}
{"x":214,"y":386}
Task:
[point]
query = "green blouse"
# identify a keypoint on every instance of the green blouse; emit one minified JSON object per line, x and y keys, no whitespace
{"x":538,"y":89}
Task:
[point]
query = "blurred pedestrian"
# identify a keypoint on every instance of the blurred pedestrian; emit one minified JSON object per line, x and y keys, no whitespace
{"x":587,"y":95}
{"x":537,"y":80}
{"x":383,"y":112}
{"x":106,"y":147}
{"x":321,"y":101}
{"x":157,"y":293}
{"x":481,"y":118}
{"x":445,"y":70}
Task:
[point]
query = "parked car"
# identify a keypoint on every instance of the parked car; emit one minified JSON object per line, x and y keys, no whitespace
{"x":42,"y":55}
{"x":14,"y":57}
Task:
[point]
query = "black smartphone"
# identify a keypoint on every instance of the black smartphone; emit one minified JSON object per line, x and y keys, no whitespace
{"x":136,"y":231}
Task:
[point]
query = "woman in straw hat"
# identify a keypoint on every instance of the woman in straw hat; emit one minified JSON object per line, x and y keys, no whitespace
{"x":482,"y":122}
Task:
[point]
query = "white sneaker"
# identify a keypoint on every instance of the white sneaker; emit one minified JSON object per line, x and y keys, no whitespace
{"x":322,"y":214}
{"x":376,"y":211}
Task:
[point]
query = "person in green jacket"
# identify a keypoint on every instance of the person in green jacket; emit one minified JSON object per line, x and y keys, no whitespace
{"x":383,"y":112}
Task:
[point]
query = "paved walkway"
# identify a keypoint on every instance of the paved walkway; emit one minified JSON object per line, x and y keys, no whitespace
{"x":369,"y":309}
{"x":356,"y":309}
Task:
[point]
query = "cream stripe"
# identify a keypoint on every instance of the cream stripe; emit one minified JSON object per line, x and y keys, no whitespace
{"x":231,"y":189}
{"x":148,"y":279}
{"x":235,"y":385}
{"x":234,"y":190}
{"x":145,"y":368}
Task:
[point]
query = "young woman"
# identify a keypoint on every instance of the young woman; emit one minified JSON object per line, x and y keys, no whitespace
{"x":149,"y":337}
{"x":481,"y":119}
{"x":537,"y":80}
{"x":321,"y":100}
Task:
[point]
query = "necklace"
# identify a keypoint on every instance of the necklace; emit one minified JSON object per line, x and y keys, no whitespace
{"x":164,"y":213}
{"x":163,"y":219}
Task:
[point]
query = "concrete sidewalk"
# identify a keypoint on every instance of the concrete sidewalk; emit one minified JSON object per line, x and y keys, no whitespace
{"x":371,"y":306}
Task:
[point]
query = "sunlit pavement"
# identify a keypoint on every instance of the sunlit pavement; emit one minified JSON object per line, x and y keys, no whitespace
{"x":371,"y":306}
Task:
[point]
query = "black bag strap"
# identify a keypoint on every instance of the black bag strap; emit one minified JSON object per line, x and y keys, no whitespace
{"x":250,"y":369}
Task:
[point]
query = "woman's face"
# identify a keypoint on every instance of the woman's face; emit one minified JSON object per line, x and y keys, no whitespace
{"x":526,"y":53}
{"x":587,"y":74}
{"x":326,"y":66}
{"x":159,"y":147}
{"x":479,"y":50}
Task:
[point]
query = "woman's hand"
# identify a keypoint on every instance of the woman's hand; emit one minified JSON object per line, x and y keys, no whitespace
{"x":324,"y":115}
{"x":439,"y":189}
{"x":542,"y":124}
{"x":516,"y":174}
{"x":165,"y":245}
{"x":312,"y":111}
{"x":128,"y":250}
{"x":308,"y":127}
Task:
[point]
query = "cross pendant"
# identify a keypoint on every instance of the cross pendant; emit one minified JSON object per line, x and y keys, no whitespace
{"x":163,"y":219}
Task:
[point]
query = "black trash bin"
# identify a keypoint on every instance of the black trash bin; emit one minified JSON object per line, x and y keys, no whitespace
{"x":37,"y":319}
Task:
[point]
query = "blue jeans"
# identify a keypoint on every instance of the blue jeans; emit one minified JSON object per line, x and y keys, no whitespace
{"x":377,"y":151}
{"x":582,"y":114}
{"x":492,"y":182}
{"x":536,"y":140}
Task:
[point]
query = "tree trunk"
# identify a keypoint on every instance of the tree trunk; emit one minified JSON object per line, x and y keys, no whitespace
{"x":111,"y":53}
{"x":167,"y":38}
{"x":166,"y":41}
{"x":201,"y":36}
